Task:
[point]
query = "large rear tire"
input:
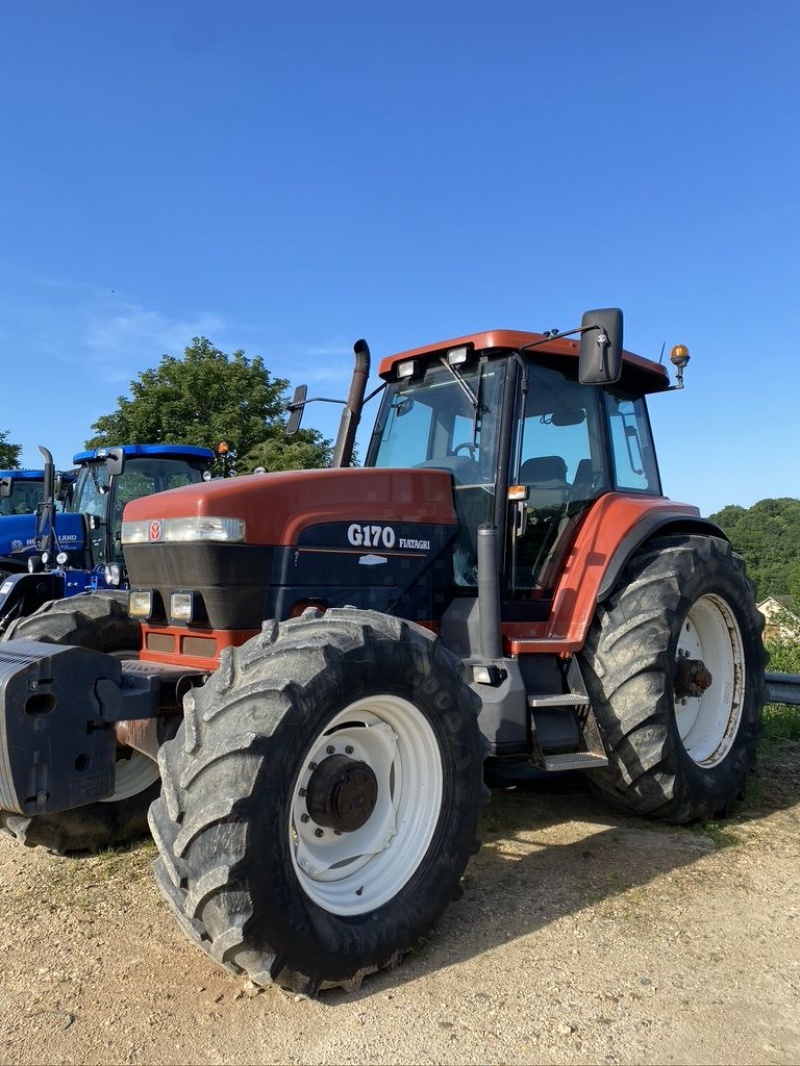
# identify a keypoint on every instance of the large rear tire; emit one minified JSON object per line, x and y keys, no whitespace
{"x":320,"y":800}
{"x":98,"y":621}
{"x":674,"y":665}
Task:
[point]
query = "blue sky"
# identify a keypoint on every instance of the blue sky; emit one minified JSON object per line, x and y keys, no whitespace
{"x":285,"y":178}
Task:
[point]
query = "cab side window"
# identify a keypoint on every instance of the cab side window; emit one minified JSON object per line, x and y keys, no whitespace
{"x":635,"y":468}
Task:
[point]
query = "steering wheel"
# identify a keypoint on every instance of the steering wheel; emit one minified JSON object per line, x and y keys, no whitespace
{"x":469,"y":448}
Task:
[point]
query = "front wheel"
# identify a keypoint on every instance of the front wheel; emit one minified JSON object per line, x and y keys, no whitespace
{"x":674,"y":665}
{"x":320,"y":801}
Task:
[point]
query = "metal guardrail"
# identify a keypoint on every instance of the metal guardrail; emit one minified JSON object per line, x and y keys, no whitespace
{"x":783,"y":688}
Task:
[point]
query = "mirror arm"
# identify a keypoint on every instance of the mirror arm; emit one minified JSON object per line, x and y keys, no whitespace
{"x":554,"y":334}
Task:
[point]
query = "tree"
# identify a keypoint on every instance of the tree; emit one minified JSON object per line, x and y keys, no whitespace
{"x":9,"y":453}
{"x":767,"y":536}
{"x":208,"y":397}
{"x":306,"y":449}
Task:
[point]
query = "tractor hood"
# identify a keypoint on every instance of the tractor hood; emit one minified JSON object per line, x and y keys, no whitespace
{"x":276,"y":508}
{"x":18,"y":534}
{"x":261,"y":546}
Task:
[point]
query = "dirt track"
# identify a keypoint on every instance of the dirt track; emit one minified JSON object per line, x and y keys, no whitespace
{"x":583,"y":937}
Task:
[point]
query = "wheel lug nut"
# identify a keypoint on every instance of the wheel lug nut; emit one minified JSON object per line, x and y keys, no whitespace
{"x":318,"y":833}
{"x":312,"y":766}
{"x":349,"y":749}
{"x":302,"y":792}
{"x":330,"y":749}
{"x":305,"y":818}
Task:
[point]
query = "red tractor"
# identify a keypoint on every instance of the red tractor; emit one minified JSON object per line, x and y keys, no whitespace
{"x":333,"y":663}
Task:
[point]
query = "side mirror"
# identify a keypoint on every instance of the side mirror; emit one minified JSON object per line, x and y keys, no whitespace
{"x":600,"y":359}
{"x":295,"y":409}
{"x":6,"y":487}
{"x":115,"y":461}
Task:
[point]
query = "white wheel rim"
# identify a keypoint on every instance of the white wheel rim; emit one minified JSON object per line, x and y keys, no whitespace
{"x":133,"y":771}
{"x":708,"y":724}
{"x":355,"y":872}
{"x":132,"y":775}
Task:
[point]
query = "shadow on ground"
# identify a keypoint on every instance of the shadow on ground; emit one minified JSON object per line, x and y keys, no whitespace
{"x":553,"y":848}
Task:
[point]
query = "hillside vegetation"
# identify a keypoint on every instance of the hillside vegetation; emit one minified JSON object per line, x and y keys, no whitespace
{"x":767,"y":536}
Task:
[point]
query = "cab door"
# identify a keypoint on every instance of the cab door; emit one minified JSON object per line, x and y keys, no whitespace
{"x":557,"y":469}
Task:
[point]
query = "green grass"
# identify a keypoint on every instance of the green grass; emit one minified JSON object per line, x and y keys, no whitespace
{"x":721,"y":834}
{"x":781,"y":722}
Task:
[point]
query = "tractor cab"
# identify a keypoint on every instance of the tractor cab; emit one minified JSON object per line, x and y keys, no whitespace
{"x":529,"y":445}
{"x":22,"y":491}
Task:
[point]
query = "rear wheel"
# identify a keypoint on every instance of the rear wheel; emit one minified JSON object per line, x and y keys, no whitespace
{"x":98,"y":621}
{"x":320,"y":801}
{"x":674,"y":665}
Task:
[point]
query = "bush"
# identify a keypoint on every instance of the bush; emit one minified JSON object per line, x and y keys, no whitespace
{"x":783,"y":658}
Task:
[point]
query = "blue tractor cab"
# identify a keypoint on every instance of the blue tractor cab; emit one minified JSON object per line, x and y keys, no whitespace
{"x":72,"y":543}
{"x":22,"y":491}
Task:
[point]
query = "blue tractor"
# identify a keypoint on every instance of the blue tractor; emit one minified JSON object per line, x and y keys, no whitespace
{"x":23,"y":496}
{"x":71,"y":542}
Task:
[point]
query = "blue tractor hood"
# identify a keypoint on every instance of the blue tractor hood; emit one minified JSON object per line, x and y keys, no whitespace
{"x":18,"y":535}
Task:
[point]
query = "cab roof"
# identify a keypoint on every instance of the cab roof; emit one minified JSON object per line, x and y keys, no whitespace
{"x":652,"y":376}
{"x":175,"y":451}
{"x":30,"y":475}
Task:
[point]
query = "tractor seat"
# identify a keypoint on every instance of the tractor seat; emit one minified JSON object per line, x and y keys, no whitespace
{"x":546,"y":478}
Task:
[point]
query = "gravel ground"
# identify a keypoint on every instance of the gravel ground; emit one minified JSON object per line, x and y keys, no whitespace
{"x":584,"y":936}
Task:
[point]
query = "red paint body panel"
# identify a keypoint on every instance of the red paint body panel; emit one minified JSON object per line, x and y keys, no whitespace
{"x":220,"y":639}
{"x":277,"y":507}
{"x":607,"y":524}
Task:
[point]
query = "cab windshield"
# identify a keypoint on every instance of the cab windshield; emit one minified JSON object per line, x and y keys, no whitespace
{"x":448,"y":418}
{"x":25,"y":497}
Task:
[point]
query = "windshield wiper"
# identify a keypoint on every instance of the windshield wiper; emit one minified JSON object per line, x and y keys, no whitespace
{"x":473,"y":397}
{"x":463,"y":385}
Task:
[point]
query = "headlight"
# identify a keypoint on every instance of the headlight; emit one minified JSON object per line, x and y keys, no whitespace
{"x":181,"y":607}
{"x":113,"y":575}
{"x":140,"y":604}
{"x":183,"y":530}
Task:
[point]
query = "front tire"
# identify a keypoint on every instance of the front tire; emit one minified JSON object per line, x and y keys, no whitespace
{"x":98,"y":621}
{"x":674,"y":665}
{"x":320,"y":801}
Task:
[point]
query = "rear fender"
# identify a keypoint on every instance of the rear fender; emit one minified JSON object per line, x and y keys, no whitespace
{"x":612,"y":531}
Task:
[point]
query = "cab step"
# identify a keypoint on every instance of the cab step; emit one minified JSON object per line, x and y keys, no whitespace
{"x":564,"y":731}
{"x":575,"y":760}
{"x":559,"y":699}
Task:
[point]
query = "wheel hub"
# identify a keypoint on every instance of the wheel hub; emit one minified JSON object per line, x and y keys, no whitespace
{"x":692,"y":678}
{"x":342,"y":793}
